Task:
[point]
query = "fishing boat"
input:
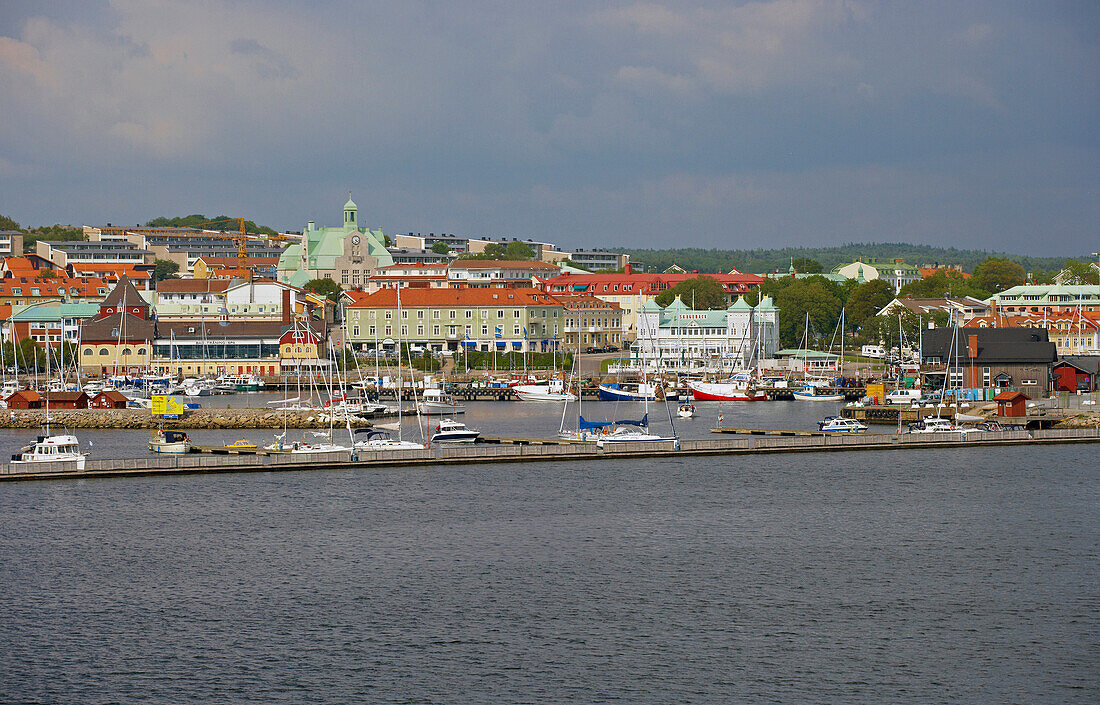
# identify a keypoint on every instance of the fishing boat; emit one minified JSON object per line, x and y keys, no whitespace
{"x":685,"y":410}
{"x":839,"y":424}
{"x":50,"y":449}
{"x":738,"y":388}
{"x":170,"y":442}
{"x":451,"y":431}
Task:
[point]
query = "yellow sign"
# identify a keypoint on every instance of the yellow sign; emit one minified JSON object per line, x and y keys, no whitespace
{"x":164,"y":405}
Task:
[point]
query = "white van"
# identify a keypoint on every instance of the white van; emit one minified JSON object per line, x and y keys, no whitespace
{"x":902,"y":396}
{"x":875,"y":351}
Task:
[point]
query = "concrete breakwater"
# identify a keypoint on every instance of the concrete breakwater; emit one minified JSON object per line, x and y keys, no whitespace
{"x":477,"y":454}
{"x":196,"y":419}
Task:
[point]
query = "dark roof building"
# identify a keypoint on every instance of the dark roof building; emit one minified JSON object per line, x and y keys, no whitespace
{"x":999,"y":358}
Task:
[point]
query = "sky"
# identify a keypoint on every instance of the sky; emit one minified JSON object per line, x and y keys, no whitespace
{"x":680,"y":124}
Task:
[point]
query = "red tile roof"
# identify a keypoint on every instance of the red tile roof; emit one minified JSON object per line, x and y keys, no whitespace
{"x":48,"y":287}
{"x":502,"y":264}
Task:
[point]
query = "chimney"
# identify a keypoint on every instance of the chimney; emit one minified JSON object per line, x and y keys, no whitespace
{"x":628,"y":269}
{"x":286,"y":307}
{"x":972,"y":346}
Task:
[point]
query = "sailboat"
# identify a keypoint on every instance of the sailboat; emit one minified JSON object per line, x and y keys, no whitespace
{"x":631,"y":431}
{"x":49,"y":448}
{"x":814,"y":389}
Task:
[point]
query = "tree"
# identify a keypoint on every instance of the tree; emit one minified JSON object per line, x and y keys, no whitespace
{"x":198,"y":220}
{"x":516,"y":250}
{"x":165,"y":269}
{"x":324,"y":287}
{"x":943,"y":284}
{"x":807,"y":265}
{"x":440,"y":248}
{"x":7,"y":223}
{"x":867,"y":300}
{"x":997,"y":274}
{"x":818,"y":297}
{"x":51,"y":232}
{"x":699,"y":293}
{"x":1078,"y":272}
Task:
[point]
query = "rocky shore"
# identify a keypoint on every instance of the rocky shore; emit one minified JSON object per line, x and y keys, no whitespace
{"x":197,"y":419}
{"x":1087,"y":419}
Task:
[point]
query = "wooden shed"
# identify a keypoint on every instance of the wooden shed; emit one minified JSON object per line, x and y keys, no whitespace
{"x":111,"y":399}
{"x":66,"y":400}
{"x":25,"y":399}
{"x":1011,"y":404}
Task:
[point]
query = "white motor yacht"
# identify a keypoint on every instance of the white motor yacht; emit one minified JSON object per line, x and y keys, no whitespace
{"x":839,"y":424}
{"x":51,"y":449}
{"x":451,"y":431}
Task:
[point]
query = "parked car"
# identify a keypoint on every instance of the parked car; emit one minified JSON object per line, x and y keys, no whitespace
{"x":902,"y":396}
{"x":593,"y":349}
{"x":610,"y":348}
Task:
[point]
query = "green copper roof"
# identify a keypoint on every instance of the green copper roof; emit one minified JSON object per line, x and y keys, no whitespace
{"x":676,"y":305}
{"x":740,"y":305}
{"x":350,"y":205}
{"x":55,"y":312}
{"x":766,"y":304}
{"x":650,"y":306}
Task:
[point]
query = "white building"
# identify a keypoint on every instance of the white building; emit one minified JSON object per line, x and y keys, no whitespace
{"x":679,"y":337}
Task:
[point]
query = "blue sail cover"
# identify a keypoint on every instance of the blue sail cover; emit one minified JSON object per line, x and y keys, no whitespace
{"x":628,"y":422}
{"x":591,"y":424}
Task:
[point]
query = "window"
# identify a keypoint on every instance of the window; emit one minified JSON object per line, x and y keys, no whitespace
{"x":355,"y":331}
{"x":435,"y":330}
{"x":371,"y":331}
{"x":420,"y":314}
{"x":1029,"y":381}
{"x":404,"y":331}
{"x":484,"y":314}
{"x":389,"y":315}
{"x":515,"y":330}
{"x":469,"y":313}
{"x":435,"y":315}
{"x":420,"y":331}
{"x":515,"y":313}
{"x":87,"y":351}
{"x":405,"y":315}
{"x":389,"y":330}
{"x":485,"y":330}
{"x":103,"y":351}
{"x":500,"y":313}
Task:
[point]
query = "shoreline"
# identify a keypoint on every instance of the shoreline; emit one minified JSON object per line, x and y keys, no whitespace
{"x":197,"y":419}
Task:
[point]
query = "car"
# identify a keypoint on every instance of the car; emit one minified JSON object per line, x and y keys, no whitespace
{"x":610,"y":348}
{"x":593,"y":349}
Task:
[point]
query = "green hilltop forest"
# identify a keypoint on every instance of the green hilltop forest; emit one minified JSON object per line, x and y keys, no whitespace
{"x":197,"y":220}
{"x":761,"y":260}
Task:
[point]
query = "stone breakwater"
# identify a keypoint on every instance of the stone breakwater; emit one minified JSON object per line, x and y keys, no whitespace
{"x":1088,"y":419}
{"x":197,"y":419}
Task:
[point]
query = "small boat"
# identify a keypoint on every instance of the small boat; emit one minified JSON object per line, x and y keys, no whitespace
{"x":50,"y":449}
{"x":934,"y":425}
{"x":839,"y":424}
{"x":451,"y":431}
{"x":171,"y":442}
{"x":685,"y":410}
{"x":968,"y":418}
{"x":629,"y":431}
{"x":241,"y":445}
{"x":240,"y":383}
{"x":617,"y":391}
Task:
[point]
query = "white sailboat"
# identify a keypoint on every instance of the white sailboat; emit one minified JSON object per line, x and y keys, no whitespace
{"x":630,"y":431}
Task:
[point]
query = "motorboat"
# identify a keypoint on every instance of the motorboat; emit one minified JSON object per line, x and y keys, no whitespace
{"x":240,"y":383}
{"x":451,"y":431}
{"x":380,"y":439}
{"x":934,"y":425}
{"x":436,"y":403}
{"x":170,"y":442}
{"x":839,"y":424}
{"x":960,"y":417}
{"x":685,"y":410}
{"x":51,"y":449}
{"x":627,"y":391}
{"x":815,"y":391}
{"x":735,"y":390}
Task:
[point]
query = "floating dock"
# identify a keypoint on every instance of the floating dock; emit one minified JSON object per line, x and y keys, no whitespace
{"x":766,"y":432}
{"x":467,"y":454}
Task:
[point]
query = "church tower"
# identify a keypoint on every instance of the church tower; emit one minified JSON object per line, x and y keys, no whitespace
{"x":351,"y":214}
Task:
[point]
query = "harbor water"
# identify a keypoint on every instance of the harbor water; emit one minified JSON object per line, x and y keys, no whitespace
{"x":965,"y":576}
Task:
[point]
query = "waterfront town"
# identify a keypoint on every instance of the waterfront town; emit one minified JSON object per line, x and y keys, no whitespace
{"x":124,"y":315}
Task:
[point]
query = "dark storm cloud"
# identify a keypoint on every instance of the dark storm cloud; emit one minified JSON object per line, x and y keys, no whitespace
{"x":710,"y":124}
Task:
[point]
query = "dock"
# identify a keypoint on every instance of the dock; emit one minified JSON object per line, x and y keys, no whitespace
{"x":469,"y":454}
{"x":766,"y":431}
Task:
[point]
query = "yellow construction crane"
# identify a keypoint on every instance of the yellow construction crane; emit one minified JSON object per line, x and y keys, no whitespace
{"x":240,"y":236}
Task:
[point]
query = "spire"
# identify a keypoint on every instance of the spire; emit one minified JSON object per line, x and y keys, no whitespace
{"x":351,"y":213}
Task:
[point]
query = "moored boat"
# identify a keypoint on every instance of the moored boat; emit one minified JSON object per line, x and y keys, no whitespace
{"x":839,"y":424}
{"x":50,"y":449}
{"x":170,"y":442}
{"x":726,"y":391}
{"x":620,"y":391}
{"x":451,"y":431}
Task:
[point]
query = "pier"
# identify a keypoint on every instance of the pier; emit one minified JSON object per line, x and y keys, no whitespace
{"x":512,"y":453}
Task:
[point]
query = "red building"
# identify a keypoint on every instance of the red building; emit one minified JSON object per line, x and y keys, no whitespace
{"x":25,"y":399}
{"x":108,"y":400}
{"x":1076,"y":373}
{"x":66,"y":400}
{"x":1011,"y":404}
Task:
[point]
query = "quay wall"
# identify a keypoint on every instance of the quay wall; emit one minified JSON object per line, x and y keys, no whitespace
{"x":472,"y":454}
{"x":195,"y":419}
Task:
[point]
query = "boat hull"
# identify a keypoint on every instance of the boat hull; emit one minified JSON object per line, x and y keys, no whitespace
{"x":174,"y":448}
{"x":716,"y":391}
{"x":609,"y":393}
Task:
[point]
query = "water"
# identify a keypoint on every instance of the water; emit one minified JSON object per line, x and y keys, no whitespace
{"x":925,"y":576}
